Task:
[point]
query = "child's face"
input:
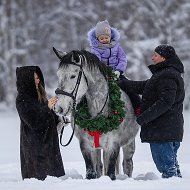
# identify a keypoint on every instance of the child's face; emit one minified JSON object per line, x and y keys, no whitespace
{"x":104,"y":39}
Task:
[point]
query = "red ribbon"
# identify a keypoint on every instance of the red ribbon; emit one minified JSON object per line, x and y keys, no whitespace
{"x":96,"y":136}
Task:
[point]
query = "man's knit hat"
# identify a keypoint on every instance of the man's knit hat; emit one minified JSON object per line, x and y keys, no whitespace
{"x":165,"y":51}
{"x":102,"y":28}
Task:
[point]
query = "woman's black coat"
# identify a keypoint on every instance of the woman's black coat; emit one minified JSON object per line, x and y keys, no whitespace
{"x":162,"y":102}
{"x":39,"y":146}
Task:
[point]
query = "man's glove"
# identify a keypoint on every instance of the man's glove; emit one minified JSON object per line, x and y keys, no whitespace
{"x":117,"y":73}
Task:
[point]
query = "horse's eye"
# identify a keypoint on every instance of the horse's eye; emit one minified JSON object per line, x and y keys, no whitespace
{"x":73,"y":76}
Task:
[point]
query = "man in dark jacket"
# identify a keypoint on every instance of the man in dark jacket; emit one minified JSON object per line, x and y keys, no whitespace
{"x":39,"y":146}
{"x":161,"y":117}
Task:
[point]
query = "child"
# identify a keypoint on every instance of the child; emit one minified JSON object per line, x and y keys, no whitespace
{"x":104,"y":42}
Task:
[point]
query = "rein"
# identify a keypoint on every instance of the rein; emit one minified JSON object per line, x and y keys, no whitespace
{"x":99,"y":113}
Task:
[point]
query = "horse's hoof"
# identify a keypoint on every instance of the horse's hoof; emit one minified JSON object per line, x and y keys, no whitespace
{"x":112,"y":176}
{"x":91,"y":175}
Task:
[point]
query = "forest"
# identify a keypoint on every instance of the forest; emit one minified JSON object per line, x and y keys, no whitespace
{"x":30,"y":28}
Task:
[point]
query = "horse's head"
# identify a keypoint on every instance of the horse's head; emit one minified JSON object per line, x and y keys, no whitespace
{"x":72,"y":82}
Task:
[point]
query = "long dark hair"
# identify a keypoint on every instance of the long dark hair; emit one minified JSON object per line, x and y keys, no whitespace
{"x":42,"y":96}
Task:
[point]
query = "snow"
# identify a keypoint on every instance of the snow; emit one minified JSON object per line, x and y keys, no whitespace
{"x":145,"y":174}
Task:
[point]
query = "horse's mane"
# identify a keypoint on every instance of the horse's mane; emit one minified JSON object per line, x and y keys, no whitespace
{"x":91,"y":62}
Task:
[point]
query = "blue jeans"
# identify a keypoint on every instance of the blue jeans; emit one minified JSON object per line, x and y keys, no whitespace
{"x":165,"y":158}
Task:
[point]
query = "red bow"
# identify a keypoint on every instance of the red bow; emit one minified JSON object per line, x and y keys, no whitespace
{"x":96,"y":136}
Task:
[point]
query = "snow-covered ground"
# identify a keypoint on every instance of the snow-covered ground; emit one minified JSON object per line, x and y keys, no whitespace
{"x":145,"y":175}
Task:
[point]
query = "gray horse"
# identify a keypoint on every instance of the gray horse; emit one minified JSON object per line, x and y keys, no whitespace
{"x":80,"y":74}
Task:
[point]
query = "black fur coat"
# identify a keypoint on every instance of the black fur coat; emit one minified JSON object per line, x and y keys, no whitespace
{"x":39,"y":146}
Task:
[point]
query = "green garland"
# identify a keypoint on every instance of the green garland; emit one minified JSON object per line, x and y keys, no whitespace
{"x":101,"y":123}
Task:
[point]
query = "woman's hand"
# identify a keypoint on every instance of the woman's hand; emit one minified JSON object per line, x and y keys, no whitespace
{"x":52,"y":101}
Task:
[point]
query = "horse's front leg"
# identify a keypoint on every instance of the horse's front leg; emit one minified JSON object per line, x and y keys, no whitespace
{"x":88,"y":155}
{"x":98,"y":162}
{"x":111,"y":156}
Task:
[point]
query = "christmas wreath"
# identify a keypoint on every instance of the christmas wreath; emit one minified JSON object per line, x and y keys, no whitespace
{"x":101,"y":123}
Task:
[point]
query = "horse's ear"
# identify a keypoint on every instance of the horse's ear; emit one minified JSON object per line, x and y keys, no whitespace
{"x":59,"y":54}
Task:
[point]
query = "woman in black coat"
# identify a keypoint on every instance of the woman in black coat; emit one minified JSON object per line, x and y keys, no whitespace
{"x":161,"y":117}
{"x":39,"y":146}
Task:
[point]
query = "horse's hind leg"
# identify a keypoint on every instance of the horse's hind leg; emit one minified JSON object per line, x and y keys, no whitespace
{"x":117,"y":165}
{"x":128,"y":151}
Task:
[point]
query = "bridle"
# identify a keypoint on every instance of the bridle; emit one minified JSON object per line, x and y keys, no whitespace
{"x":73,"y":95}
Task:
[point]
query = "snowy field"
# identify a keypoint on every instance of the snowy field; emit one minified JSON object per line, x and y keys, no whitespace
{"x":145,"y":175}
